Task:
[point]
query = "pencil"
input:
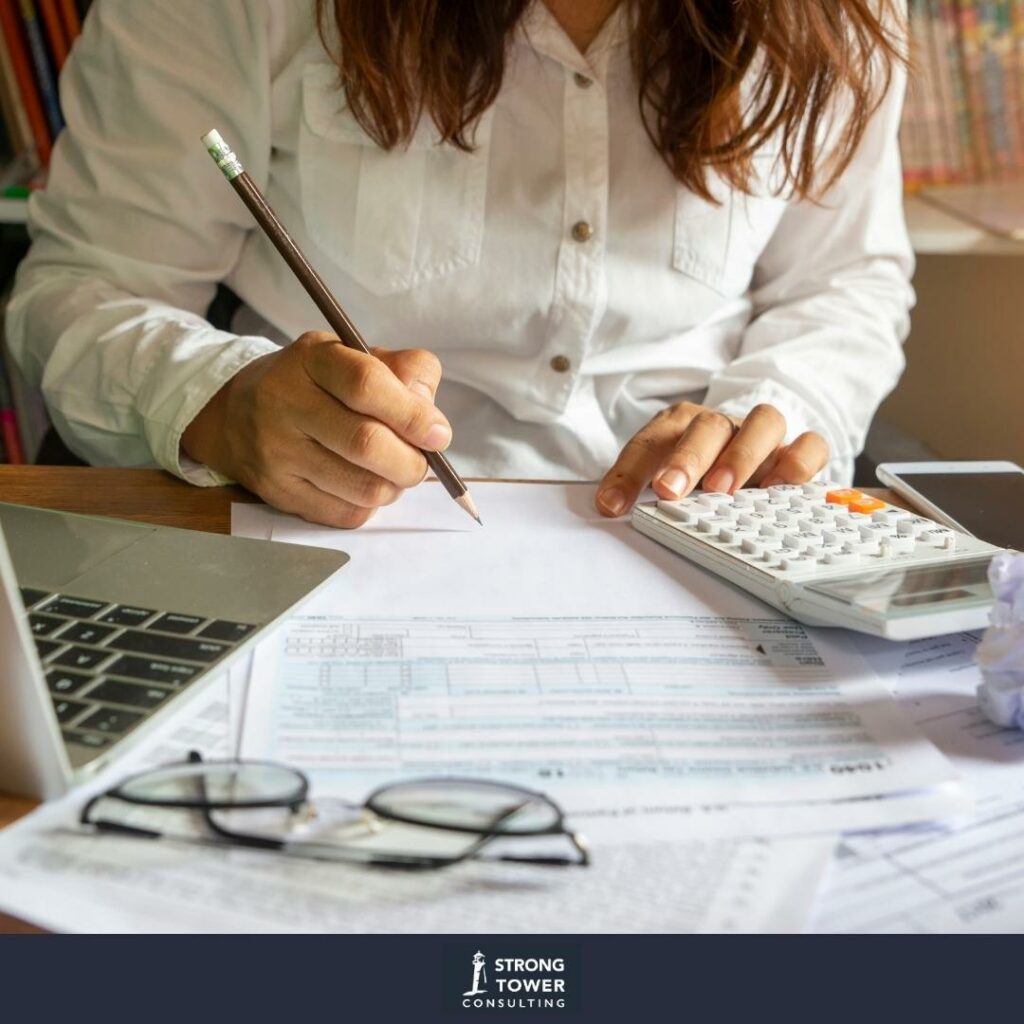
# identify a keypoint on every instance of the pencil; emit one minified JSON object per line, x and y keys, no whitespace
{"x":325,"y":301}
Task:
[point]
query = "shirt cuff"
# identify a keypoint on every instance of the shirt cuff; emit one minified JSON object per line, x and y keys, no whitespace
{"x":226,"y":359}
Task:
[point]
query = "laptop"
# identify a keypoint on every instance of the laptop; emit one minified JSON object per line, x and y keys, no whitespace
{"x":107,"y":626}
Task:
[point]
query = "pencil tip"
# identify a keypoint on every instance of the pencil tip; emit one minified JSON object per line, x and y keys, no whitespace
{"x":465,"y":502}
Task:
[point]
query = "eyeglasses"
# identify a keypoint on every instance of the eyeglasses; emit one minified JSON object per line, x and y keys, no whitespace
{"x":419,"y":824}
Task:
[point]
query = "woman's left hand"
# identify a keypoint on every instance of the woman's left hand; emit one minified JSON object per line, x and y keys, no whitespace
{"x":686,"y":443}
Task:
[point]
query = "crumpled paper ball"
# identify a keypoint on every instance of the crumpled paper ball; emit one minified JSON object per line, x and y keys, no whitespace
{"x":1001,"y":651}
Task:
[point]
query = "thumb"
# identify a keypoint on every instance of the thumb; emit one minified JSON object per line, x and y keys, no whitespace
{"x":418,"y":369}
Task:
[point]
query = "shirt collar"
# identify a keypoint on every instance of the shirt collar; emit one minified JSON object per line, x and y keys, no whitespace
{"x":539,"y":29}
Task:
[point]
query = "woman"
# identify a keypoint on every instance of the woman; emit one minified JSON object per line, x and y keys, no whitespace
{"x":655,"y":240}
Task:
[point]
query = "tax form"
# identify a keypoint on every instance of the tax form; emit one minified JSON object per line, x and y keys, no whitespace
{"x":964,"y":874}
{"x":566,"y":652}
{"x":57,"y":876}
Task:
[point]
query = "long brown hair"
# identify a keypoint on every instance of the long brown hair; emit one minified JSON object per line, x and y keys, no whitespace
{"x":798,"y":62}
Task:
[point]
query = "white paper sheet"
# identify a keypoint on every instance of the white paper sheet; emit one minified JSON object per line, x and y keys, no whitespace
{"x":961,"y":875}
{"x":55,"y":876}
{"x":561,"y":650}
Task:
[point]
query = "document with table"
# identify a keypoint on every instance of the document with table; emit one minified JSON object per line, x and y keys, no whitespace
{"x":709,"y":748}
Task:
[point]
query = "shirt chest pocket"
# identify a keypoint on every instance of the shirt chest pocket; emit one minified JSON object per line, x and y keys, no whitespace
{"x":720,"y":243}
{"x":390,"y":219}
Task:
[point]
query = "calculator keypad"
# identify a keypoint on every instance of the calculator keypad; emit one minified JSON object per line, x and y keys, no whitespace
{"x":803,"y":530}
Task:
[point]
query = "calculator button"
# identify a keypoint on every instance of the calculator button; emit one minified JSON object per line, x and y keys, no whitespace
{"x":901,"y":544}
{"x":713,"y":499}
{"x":875,"y":531}
{"x":843,"y":496}
{"x":799,"y":563}
{"x":783,"y":492}
{"x":939,"y":538}
{"x":811,"y":526}
{"x":744,"y":498}
{"x":758,"y":547}
{"x":753,"y":520}
{"x":789,"y":517}
{"x":711,"y":524}
{"x":773,"y":531}
{"x":840,"y":535}
{"x":680,"y":511}
{"x":866,"y":505}
{"x":841,"y":558}
{"x":734,"y":534}
{"x":890,"y":516}
{"x":916,"y":526}
{"x":814,"y":490}
{"x":769,"y":506}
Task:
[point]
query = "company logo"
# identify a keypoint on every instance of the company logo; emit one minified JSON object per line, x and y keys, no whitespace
{"x":503,"y":979}
{"x":479,"y":974}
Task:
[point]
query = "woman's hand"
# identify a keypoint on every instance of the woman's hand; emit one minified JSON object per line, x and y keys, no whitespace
{"x":686,"y":443}
{"x":322,"y":431}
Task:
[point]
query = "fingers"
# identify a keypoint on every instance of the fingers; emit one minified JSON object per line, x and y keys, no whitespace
{"x":418,"y":369}
{"x":305,"y":499}
{"x":693,"y":454}
{"x":640,"y":459}
{"x":362,"y":441}
{"x":798,"y":462}
{"x":365,"y":385}
{"x":761,"y":433}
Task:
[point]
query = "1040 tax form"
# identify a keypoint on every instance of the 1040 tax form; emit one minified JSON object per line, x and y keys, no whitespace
{"x":566,"y":652}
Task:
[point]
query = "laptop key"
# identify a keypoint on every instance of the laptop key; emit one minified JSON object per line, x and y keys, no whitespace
{"x":174,"y":623}
{"x":47,"y":647}
{"x":232,"y":632}
{"x":87,"y":739}
{"x":68,"y":710}
{"x":153,"y":670}
{"x":62,"y":681}
{"x":81,"y":657}
{"x":76,"y":607}
{"x":31,"y":596}
{"x":127,"y":615}
{"x":168,"y":646}
{"x":111,"y":721}
{"x":86,"y":633}
{"x":44,"y":625}
{"x":116,"y":691}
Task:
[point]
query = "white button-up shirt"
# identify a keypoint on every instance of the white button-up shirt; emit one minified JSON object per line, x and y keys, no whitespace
{"x":570,"y":285}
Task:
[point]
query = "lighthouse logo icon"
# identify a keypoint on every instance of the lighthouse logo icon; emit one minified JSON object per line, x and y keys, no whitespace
{"x":479,"y":974}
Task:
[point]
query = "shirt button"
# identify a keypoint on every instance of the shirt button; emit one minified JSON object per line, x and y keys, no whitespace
{"x":582,"y":231}
{"x":560,"y":364}
{"x":582,"y":80}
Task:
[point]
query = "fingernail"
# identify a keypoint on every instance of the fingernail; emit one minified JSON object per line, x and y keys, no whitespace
{"x":437,"y":437}
{"x":613,"y":500}
{"x":674,"y":480}
{"x":421,"y":389}
{"x":720,"y":480}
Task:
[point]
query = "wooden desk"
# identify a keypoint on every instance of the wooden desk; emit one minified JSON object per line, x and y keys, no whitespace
{"x":149,"y":495}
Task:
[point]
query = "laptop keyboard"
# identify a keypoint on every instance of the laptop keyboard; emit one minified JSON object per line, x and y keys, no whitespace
{"x":108,"y":666}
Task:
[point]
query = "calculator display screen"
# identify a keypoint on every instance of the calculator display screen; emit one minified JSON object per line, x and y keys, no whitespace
{"x":892,"y":591}
{"x":989,"y":505}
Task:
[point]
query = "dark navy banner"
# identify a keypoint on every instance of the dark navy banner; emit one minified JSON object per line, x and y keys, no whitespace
{"x":511,"y":979}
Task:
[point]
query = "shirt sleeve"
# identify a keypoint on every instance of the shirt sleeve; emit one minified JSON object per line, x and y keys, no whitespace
{"x":831,"y":303}
{"x":136,"y":227}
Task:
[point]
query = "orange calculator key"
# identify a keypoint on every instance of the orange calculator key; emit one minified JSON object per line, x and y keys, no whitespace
{"x":866,"y":504}
{"x":844,"y":496}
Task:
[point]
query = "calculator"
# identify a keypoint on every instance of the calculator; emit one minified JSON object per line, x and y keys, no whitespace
{"x":832,"y":556}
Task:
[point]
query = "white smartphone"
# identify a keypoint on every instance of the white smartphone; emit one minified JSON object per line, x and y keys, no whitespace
{"x":985,"y":499}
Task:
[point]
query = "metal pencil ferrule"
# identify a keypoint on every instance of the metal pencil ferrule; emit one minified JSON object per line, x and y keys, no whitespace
{"x":223,"y":156}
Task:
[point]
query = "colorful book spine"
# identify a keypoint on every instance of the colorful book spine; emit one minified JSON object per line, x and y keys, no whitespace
{"x":27,"y":91}
{"x":50,"y":14}
{"x":41,"y":63}
{"x":944,"y":89}
{"x":13,"y":109}
{"x":9,"y":421}
{"x":971,"y":37}
{"x":72,"y":22}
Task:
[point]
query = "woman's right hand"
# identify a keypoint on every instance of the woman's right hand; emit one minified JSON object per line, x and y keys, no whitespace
{"x":323,"y":431}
